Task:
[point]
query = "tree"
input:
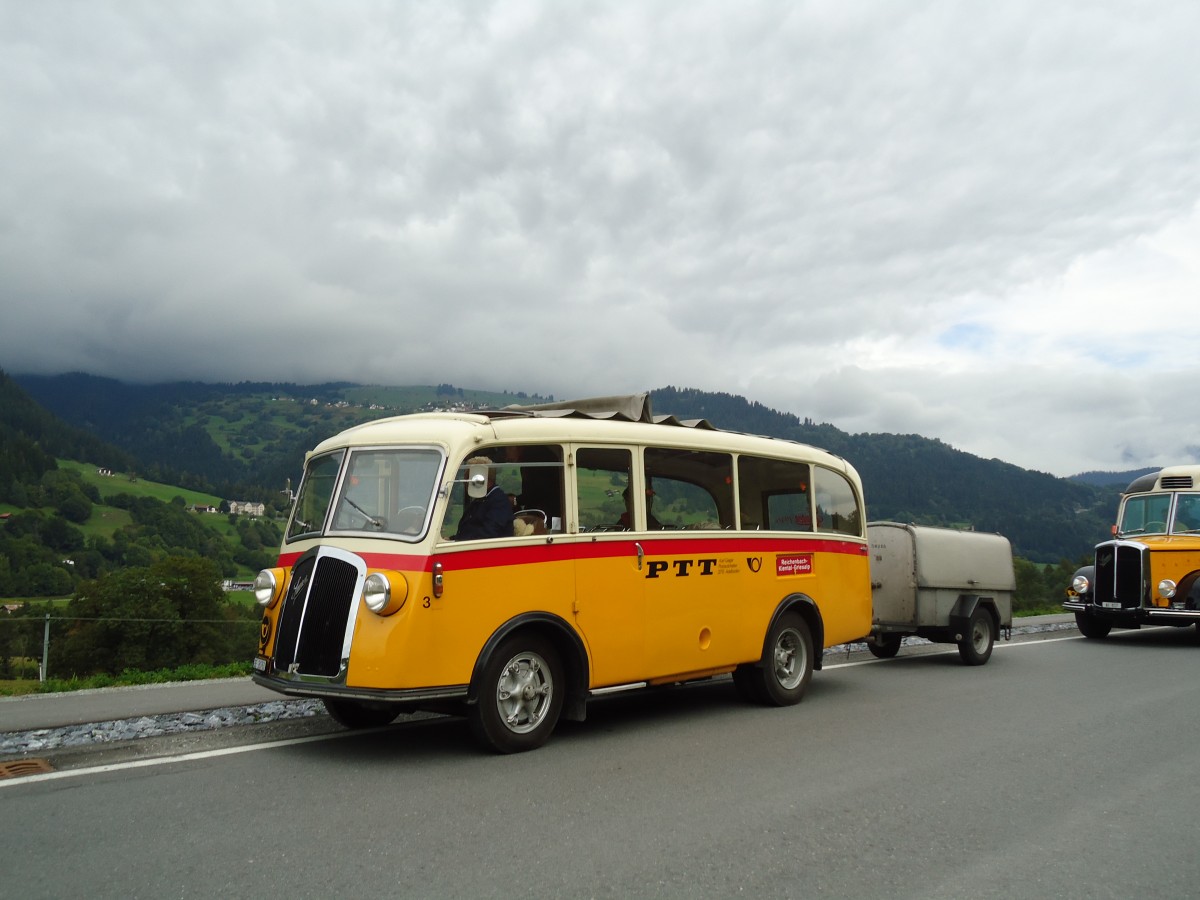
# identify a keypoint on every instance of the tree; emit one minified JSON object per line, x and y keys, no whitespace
{"x":165,"y":615}
{"x":75,"y":507}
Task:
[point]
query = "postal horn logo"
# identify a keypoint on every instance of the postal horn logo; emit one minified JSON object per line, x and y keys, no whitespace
{"x":754,"y":562}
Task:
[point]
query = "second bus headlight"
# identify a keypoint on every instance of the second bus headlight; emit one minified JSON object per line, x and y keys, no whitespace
{"x":384,"y":594}
{"x":1166,"y":588}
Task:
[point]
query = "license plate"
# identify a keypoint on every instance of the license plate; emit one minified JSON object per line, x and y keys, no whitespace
{"x":1111,"y":605}
{"x":260,"y":664}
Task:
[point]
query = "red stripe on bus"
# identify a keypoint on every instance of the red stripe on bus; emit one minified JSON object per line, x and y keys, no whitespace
{"x":578,"y":548}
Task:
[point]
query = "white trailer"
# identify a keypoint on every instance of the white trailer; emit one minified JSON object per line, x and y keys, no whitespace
{"x":948,"y":586}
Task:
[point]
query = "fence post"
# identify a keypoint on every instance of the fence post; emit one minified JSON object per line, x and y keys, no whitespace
{"x":43,"y":670}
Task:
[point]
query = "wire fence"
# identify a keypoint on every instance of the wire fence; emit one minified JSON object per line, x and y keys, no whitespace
{"x":15,"y":649}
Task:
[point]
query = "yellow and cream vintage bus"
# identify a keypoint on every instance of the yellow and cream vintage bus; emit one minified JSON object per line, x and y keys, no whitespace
{"x":1149,"y":573}
{"x":511,"y":565}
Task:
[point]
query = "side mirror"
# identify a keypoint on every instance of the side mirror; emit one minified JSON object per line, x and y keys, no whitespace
{"x":477,"y":480}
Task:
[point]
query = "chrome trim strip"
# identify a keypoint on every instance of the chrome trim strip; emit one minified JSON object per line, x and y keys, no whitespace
{"x":617,"y":688}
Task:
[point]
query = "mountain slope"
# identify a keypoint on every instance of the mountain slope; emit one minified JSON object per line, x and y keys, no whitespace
{"x":248,"y":440}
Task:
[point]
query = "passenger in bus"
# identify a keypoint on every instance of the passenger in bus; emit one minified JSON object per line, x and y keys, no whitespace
{"x":488,"y":516}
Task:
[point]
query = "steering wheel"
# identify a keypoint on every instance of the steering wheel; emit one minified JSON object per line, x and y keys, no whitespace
{"x":410,"y":519}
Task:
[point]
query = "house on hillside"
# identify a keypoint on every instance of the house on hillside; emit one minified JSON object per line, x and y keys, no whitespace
{"x":244,"y":508}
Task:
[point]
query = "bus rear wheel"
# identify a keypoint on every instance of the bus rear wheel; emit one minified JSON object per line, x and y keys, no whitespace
{"x":783,"y":674}
{"x":520,"y":695}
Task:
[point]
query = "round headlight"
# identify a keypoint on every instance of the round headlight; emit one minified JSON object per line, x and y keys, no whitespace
{"x":265,"y":586}
{"x":1166,"y":588}
{"x":1079,"y":584}
{"x":376,"y":592}
{"x":384,"y":593}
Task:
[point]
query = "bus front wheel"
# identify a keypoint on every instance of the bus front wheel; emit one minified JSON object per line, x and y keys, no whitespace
{"x":1090,"y":627}
{"x":787,"y":664}
{"x":354,"y":714}
{"x":520,"y":696}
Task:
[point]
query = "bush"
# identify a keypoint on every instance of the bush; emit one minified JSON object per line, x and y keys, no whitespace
{"x":169,"y":614}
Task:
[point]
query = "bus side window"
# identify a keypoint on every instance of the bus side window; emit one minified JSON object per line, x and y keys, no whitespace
{"x":537,"y":482}
{"x":688,"y":489}
{"x":531,"y":475}
{"x":774,"y":494}
{"x":837,"y":504}
{"x":602,"y":481}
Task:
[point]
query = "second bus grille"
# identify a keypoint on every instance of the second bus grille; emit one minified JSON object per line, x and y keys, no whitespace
{"x":312,"y":623}
{"x":1119,"y":575}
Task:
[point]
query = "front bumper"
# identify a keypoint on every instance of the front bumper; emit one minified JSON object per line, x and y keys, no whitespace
{"x":411,"y":697}
{"x":1133,"y":616}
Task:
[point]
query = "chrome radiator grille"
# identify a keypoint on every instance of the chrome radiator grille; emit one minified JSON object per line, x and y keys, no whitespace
{"x":313,"y":620}
{"x":1119,"y":577}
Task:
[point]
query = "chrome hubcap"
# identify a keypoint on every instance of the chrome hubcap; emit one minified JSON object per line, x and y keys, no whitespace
{"x":524,"y":692}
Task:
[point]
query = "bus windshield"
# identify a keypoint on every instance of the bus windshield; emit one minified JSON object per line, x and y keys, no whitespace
{"x":1145,"y":514}
{"x":388,"y":491}
{"x":383,"y":491}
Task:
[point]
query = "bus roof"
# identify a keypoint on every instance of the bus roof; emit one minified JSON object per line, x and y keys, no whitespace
{"x":614,"y":420}
{"x":1172,"y":478}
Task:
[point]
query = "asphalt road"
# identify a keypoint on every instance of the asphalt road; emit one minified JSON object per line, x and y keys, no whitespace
{"x":1060,"y":769}
{"x":81,"y":707}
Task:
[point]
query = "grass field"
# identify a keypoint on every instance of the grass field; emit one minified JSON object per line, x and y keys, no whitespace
{"x":127,"y":483}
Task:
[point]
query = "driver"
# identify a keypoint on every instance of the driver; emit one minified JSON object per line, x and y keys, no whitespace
{"x":488,"y":516}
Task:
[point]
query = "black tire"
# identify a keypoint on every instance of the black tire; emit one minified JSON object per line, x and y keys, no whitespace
{"x":520,"y":695}
{"x":976,"y":646}
{"x":783,"y":674}
{"x":884,"y":646}
{"x":356,"y":714}
{"x":1090,"y":627}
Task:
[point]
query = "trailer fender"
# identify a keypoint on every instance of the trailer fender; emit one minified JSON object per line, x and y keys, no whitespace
{"x":964,"y":607}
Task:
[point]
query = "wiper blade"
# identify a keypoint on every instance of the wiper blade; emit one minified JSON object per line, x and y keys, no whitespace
{"x":370,"y":518}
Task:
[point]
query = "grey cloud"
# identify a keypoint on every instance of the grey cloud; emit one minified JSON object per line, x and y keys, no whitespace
{"x":572,"y":198}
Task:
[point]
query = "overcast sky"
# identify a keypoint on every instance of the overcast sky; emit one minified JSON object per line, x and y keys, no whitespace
{"x":975,"y":222}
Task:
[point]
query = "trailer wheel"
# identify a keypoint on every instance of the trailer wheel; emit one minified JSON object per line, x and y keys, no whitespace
{"x":355,"y":714}
{"x":787,"y":663}
{"x":521,"y":695}
{"x":1092,"y":628}
{"x":976,"y":646}
{"x":885,"y":646}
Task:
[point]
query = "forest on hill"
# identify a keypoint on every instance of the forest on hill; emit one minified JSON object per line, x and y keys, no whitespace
{"x":247,"y":440}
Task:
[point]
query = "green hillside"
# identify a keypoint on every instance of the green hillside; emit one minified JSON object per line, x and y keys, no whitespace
{"x":248,"y":440}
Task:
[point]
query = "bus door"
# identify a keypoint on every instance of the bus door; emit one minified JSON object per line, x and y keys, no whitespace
{"x":609,"y":604}
{"x":696,"y":586}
